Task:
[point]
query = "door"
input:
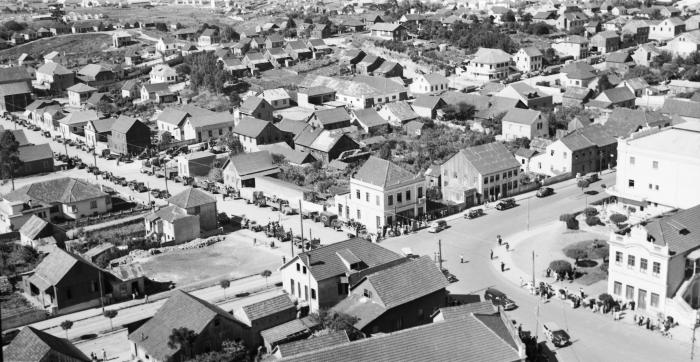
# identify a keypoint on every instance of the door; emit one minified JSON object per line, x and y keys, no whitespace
{"x":642,"y":299}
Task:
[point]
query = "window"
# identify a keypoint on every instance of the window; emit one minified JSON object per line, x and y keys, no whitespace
{"x":210,"y":134}
{"x":367,"y":293}
{"x":618,"y":257}
{"x":454,"y":174}
{"x":654,"y":302}
{"x":486,"y":180}
{"x":498,"y":177}
{"x":367,"y":196}
{"x":376,"y":199}
{"x":643,"y":264}
{"x":420,"y":192}
{"x":357,"y":193}
{"x":291,"y":282}
{"x":657,"y":187}
{"x":655,"y":164}
{"x":491,"y":179}
{"x":629,"y":292}
{"x":630,"y":260}
{"x":298,"y":267}
{"x":642,"y":299}
{"x":306,"y":292}
{"x":656,"y":268}
{"x":408,"y":195}
{"x":93,"y":204}
{"x":390,"y":201}
{"x":303,"y":269}
{"x":359,"y":215}
{"x":197,"y":209}
{"x":617,"y":288}
{"x":630,"y":183}
{"x":398,"y":198}
{"x":631,"y":160}
{"x":313,"y":293}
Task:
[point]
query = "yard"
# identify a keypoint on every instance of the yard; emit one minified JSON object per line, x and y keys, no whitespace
{"x":14,"y":304}
{"x":84,"y":44}
{"x":232,"y":258}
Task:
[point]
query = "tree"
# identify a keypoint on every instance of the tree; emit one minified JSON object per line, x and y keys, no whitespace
{"x":509,"y":17}
{"x":526,"y":18}
{"x":228,"y":33}
{"x":266,"y":274}
{"x":104,"y":107}
{"x":582,"y":184}
{"x":385,"y":152}
{"x":183,"y":70}
{"x":604,"y":83}
{"x":231,"y":142}
{"x":9,"y":156}
{"x":335,"y":321}
{"x":162,"y":27}
{"x":576,"y":253}
{"x":110,"y":313}
{"x":183,"y":339}
{"x":66,"y":325}
{"x":561,"y":267}
{"x":618,"y":218}
{"x":225,"y":283}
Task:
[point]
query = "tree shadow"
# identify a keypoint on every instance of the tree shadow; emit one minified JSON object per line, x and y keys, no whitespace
{"x":586,"y":263}
{"x":592,"y":192}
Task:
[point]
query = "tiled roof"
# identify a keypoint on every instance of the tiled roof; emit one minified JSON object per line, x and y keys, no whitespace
{"x":522,"y":116}
{"x":156,"y":87}
{"x":55,"y":266}
{"x":172,"y":116}
{"x":383,"y":173}
{"x":401,"y":110}
{"x":32,"y":153}
{"x":250,"y":313}
{"x":192,"y":197}
{"x":624,"y":121}
{"x":251,"y":163}
{"x":80,"y":88}
{"x":34,"y":345}
{"x":53,"y":68}
{"x":325,"y":262}
{"x":461,"y":311}
{"x":251,"y":127}
{"x":385,"y":26}
{"x":103,"y":125}
{"x":127,"y":272}
{"x":490,"y":158}
{"x":313,"y":343}
{"x":124,"y":123}
{"x":616,"y":95}
{"x":215,"y":118}
{"x":97,"y":250}
{"x":681,"y":107}
{"x":426,"y":101}
{"x":459,"y":339}
{"x":292,"y":126}
{"x":80,"y":117}
{"x":292,"y":156}
{"x":332,"y":116}
{"x":358,"y":86}
{"x":14,"y":74}
{"x":680,"y":231}
{"x":369,"y":117}
{"x":181,"y":310}
{"x":15,"y":88}
{"x":525,"y":152}
{"x":250,"y":104}
{"x":60,"y":190}
{"x":491,"y":56}
{"x":579,"y":70}
{"x":532,"y":52}
{"x":92,"y":70}
{"x":33,"y":227}
{"x":579,"y":93}
{"x":20,"y":137}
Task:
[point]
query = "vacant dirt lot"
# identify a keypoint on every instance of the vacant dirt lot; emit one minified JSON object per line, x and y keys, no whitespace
{"x":71,"y":44}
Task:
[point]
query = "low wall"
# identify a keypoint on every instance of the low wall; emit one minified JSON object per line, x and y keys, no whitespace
{"x":20,"y":319}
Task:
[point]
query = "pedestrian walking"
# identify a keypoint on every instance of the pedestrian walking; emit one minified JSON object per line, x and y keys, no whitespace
{"x":648,"y":322}
{"x":133,"y":296}
{"x":500,"y":241}
{"x":491,"y":254}
{"x":566,"y":291}
{"x":461,"y":259}
{"x":580,"y":290}
{"x":104,"y":354}
{"x":507,"y":246}
{"x":255,"y":241}
{"x":503,"y":266}
{"x":146,"y":299}
{"x":284,"y":259}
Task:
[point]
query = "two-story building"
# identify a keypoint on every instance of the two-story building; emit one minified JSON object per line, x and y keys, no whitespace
{"x":653,"y":167}
{"x":489,"y":64}
{"x":79,"y":93}
{"x":383,"y":194}
{"x":388,"y":31}
{"x":322,"y":277}
{"x":197,"y":202}
{"x":129,"y":136}
{"x":528,"y":59}
{"x":666,"y":29}
{"x":574,"y":46}
{"x":429,"y":83}
{"x":479,"y":173}
{"x":203,"y":128}
{"x":263,"y":315}
{"x":253,"y":132}
{"x":655,"y":265}
{"x":605,"y":42}
{"x":54,"y":77}
{"x":96,"y":75}
{"x":524,"y":123}
{"x":162,"y":73}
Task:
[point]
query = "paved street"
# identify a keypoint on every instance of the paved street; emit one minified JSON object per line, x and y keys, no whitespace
{"x":595,"y":337}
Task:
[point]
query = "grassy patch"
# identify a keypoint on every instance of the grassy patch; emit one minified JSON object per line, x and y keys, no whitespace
{"x":84,"y":44}
{"x":596,"y":248}
{"x":14,"y":303}
{"x":592,"y":276}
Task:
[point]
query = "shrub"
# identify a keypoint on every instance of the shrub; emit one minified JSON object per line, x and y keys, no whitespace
{"x":593,"y":220}
{"x":576,"y":253}
{"x":591,"y":211}
{"x":606,"y":298}
{"x":560,"y":266}
{"x":572,"y":224}
{"x":604,"y":267}
{"x":618,"y":218}
{"x":566,"y":217}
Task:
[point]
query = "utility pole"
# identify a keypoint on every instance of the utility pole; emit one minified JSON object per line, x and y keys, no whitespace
{"x":99,"y":277}
{"x":440,"y":252}
{"x":528,"y":218}
{"x":291,"y":244}
{"x":301,"y":222}
{"x":148,"y":186}
{"x":165,"y":175}
{"x":94,"y":158}
{"x":692,"y":341}
{"x":533,"y":268}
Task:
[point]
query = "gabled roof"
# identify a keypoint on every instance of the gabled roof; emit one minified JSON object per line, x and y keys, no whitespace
{"x":522,"y":116}
{"x":579,"y":70}
{"x":386,"y":26}
{"x":292,"y":126}
{"x":490,"y":158}
{"x":467,"y":338}
{"x":173,"y":116}
{"x":250,"y":313}
{"x":401,"y":110}
{"x":298,"y":45}
{"x":383,"y":173}
{"x":251,"y":127}
{"x":369,"y":117}
{"x":14,"y":74}
{"x":80,"y":88}
{"x":181,"y":310}
{"x":54,"y":267}
{"x":624,"y":121}
{"x":92,"y":70}
{"x":80,"y":117}
{"x":332,"y":116}
{"x":590,"y":136}
{"x":325,"y":262}
{"x":34,"y":345}
{"x":53,"y":68}
{"x":313,"y":343}
{"x":428,"y":101}
{"x":616,"y":95}
{"x":155,"y":87}
{"x":532,"y":52}
{"x":251,"y":163}
{"x":250,"y":104}
{"x":214,"y":118}
{"x":32,"y":153}
{"x":618,"y":57}
{"x":681,"y":107}
{"x":33,"y":227}
{"x":129,"y":84}
{"x":192,"y":197}
{"x":292,"y":328}
{"x":123,"y":124}
{"x":9,"y":89}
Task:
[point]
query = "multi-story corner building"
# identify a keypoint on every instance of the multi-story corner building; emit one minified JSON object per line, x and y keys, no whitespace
{"x":656,"y":168}
{"x":489,"y":64}
{"x":382,"y":194}
{"x":655,"y":265}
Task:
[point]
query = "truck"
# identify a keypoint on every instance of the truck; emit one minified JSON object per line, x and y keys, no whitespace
{"x":259,"y":199}
{"x":556,"y":335}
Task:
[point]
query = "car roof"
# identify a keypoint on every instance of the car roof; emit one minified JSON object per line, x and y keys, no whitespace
{"x":495,"y":291}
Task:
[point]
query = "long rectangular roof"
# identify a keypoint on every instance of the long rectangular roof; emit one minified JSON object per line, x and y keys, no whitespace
{"x":490,"y":158}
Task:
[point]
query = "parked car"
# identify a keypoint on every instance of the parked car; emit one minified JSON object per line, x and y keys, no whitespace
{"x":497,"y":297}
{"x":437,"y":226}
{"x":505,"y":204}
{"x":556,"y":335}
{"x":544,"y":192}
{"x":46,"y":134}
{"x":474,"y":213}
